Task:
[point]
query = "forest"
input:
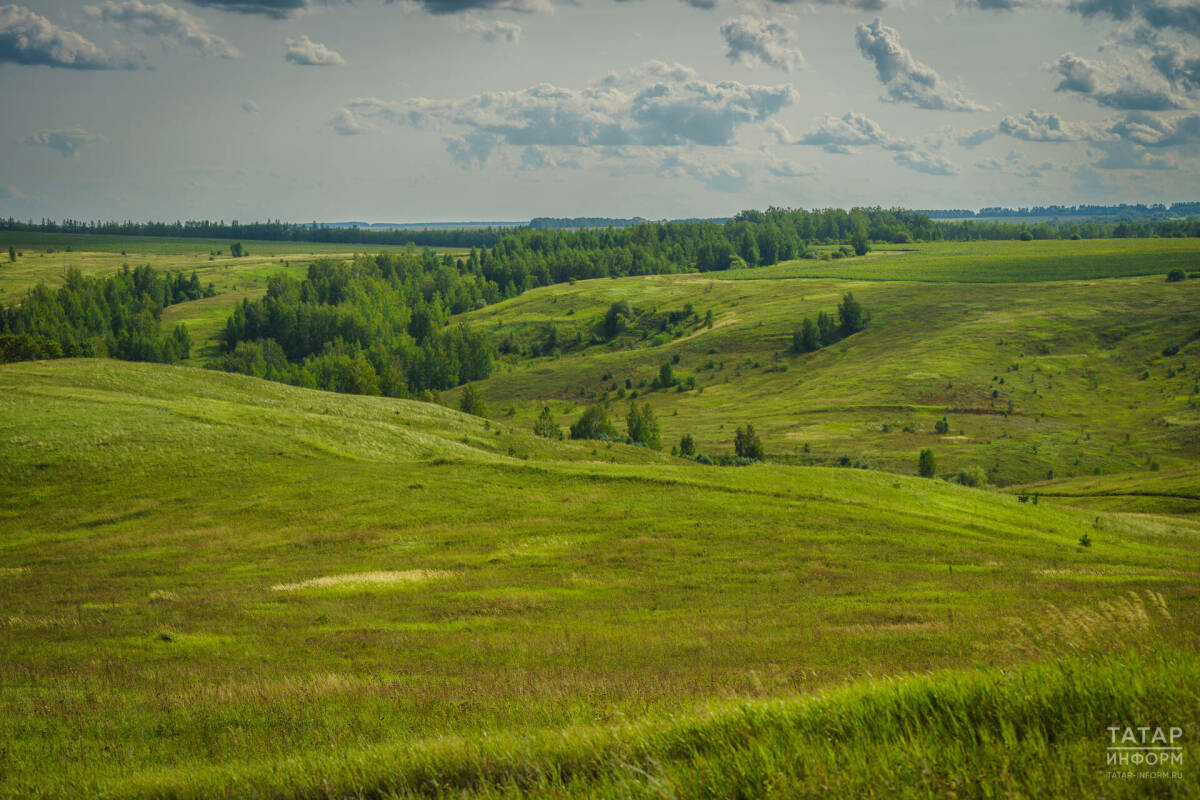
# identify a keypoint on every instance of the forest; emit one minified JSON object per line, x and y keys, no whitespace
{"x":375,"y":325}
{"x":117,"y":316}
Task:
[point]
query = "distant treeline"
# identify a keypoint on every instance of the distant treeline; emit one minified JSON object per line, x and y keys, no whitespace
{"x":603,"y":222}
{"x":526,"y":258}
{"x":777,"y":233}
{"x":992,"y":230}
{"x":376,"y":325}
{"x":1123,"y":211}
{"x":267,"y":231}
{"x":117,"y":316}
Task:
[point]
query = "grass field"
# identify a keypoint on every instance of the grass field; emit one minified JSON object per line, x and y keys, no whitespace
{"x":161,"y":529}
{"x":1000,"y":262}
{"x":215,"y":586}
{"x":1080,"y":362}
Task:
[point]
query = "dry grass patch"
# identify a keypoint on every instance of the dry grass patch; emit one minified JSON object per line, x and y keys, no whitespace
{"x":363,"y":580}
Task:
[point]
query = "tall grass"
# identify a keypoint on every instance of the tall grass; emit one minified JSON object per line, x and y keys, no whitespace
{"x":1035,"y":731}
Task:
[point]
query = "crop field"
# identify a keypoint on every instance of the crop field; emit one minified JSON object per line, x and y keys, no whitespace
{"x":213,"y":585}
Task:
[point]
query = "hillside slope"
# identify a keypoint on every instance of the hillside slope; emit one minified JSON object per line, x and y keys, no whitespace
{"x":1035,"y":380}
{"x":200,"y":570}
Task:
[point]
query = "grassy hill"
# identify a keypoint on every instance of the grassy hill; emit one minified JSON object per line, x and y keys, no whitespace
{"x":217,"y":585}
{"x":1034,"y":379}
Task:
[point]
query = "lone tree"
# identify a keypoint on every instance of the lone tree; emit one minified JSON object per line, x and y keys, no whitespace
{"x":666,"y":376}
{"x":593,"y":424}
{"x":617,"y":318}
{"x":471,"y":401}
{"x":237,"y":251}
{"x":746,"y":444}
{"x":687,"y":446}
{"x":941,"y":426}
{"x":1172,"y":276}
{"x":926,"y":465}
{"x":12,"y":253}
{"x":642,"y":427}
{"x":546,"y":427}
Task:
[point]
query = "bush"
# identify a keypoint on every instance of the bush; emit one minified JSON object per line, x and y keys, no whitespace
{"x":1026,"y":236}
{"x":546,"y":427}
{"x":972,"y":476}
{"x":942,"y":426}
{"x":1175,"y":275}
{"x":593,"y":424}
{"x":1170,"y":350}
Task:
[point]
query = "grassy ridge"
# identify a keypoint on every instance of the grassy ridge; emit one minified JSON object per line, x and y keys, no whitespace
{"x":201,"y":570}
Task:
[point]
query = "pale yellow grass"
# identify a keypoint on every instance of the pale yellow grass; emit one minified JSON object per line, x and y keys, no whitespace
{"x":364,"y":579}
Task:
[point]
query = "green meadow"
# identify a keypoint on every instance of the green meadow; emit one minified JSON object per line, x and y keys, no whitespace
{"x":217,"y":586}
{"x":1035,"y":380}
{"x":1000,"y":262}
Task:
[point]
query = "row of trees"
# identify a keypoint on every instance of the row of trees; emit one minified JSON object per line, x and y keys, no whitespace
{"x":268,"y":231}
{"x":118,"y":316}
{"x":375,"y":325}
{"x":750,"y":237}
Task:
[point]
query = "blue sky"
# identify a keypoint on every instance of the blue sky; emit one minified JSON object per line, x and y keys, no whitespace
{"x":507,"y":109}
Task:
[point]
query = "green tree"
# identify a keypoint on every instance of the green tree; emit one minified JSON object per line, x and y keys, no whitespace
{"x":236,"y":250}
{"x":616,"y":319}
{"x":687,"y":446}
{"x":666,"y":376}
{"x":1172,"y":276}
{"x":859,"y":239}
{"x":12,"y":253}
{"x":807,"y":339}
{"x":593,"y":424}
{"x":708,"y":319}
{"x":472,"y":402}
{"x":746,"y":444}
{"x":642,"y":426}
{"x":941,"y":426}
{"x":546,"y":427}
{"x":852,"y":318}
{"x":926,"y":464}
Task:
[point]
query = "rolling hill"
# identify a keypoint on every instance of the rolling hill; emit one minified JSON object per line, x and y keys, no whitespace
{"x":212,"y":583}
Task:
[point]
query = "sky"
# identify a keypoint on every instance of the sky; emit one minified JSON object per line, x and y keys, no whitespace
{"x":456,"y":110}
